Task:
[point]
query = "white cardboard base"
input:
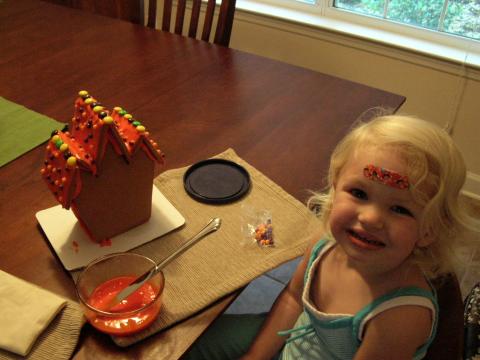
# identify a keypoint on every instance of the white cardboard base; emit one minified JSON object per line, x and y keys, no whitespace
{"x":74,"y":247}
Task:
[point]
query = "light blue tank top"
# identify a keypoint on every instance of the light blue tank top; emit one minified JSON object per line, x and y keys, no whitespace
{"x":318,"y":335}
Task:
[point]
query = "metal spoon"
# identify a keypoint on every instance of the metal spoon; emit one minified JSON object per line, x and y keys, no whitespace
{"x":213,"y":225}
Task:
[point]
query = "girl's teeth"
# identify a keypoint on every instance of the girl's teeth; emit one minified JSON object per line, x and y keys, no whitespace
{"x":373,"y":242}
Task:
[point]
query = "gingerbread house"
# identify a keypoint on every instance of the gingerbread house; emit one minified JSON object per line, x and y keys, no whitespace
{"x":102,"y":166}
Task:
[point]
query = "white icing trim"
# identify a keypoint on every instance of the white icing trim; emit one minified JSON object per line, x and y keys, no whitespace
{"x":395,"y":302}
{"x":307,"y":302}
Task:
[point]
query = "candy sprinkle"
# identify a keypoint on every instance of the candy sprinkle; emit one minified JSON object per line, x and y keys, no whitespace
{"x":72,"y":161}
{"x":108,"y":120}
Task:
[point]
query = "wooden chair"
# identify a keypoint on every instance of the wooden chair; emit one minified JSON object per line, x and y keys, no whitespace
{"x":133,"y":11}
{"x":224,"y":23}
{"x":471,"y":348}
{"x":448,"y":344}
{"x":129,"y":10}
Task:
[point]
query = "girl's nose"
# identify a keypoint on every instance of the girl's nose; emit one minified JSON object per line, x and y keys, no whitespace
{"x":371,"y":217}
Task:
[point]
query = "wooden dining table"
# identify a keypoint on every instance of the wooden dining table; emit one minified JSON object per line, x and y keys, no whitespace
{"x":197,"y":99}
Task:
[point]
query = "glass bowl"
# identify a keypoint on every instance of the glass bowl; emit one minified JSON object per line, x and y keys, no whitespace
{"x":103,"y":278}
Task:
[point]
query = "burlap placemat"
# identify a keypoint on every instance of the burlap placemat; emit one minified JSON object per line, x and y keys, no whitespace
{"x":224,"y":261}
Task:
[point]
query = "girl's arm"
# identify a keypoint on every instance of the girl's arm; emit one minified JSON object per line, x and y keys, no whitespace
{"x":396,"y":333}
{"x":282,"y":316}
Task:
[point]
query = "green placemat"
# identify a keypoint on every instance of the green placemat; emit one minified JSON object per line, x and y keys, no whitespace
{"x":21,"y":130}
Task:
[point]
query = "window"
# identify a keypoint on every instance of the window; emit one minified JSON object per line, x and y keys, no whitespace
{"x":459,"y":17}
{"x":445,"y":29}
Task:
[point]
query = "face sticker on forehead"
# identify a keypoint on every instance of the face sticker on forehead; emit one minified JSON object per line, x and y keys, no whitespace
{"x":386,"y":177}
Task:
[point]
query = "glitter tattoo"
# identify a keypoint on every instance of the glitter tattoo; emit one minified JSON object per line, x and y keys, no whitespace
{"x":387,"y":177}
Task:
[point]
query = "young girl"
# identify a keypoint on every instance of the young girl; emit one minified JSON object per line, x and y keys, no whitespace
{"x":391,"y":217}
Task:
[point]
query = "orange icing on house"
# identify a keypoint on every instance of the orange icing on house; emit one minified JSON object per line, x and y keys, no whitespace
{"x":82,"y":146}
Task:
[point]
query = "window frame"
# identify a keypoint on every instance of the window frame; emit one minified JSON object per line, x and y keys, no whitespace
{"x":324,"y":15}
{"x":398,"y":27}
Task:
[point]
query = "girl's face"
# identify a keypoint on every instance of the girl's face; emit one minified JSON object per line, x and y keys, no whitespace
{"x":374,"y":218}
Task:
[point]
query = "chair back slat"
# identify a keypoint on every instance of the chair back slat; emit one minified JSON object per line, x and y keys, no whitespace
{"x":180,"y":16}
{"x":152,"y":14}
{"x":167,"y":13}
{"x":207,"y":24}
{"x":223,"y":31}
{"x":192,"y":30}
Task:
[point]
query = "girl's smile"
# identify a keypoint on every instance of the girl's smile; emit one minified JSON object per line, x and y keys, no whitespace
{"x":365,"y":241}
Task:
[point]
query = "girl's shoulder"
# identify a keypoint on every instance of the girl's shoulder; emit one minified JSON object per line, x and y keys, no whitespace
{"x":321,"y":245}
{"x":318,"y":248}
{"x":380,"y":334}
{"x":412,"y":277}
{"x":411,"y":307}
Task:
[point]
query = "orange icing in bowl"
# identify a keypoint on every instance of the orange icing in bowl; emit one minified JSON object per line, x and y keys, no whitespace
{"x":133,"y":314}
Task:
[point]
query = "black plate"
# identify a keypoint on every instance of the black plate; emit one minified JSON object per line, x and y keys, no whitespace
{"x":216,"y":181}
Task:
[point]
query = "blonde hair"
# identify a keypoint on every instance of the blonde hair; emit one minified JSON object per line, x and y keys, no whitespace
{"x":436,"y":172}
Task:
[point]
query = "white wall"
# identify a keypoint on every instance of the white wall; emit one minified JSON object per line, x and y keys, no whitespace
{"x":438,"y":91}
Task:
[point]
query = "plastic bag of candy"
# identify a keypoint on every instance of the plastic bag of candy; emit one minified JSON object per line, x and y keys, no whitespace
{"x":258,"y":227}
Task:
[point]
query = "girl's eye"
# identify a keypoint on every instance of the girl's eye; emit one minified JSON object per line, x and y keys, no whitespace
{"x":401,"y":210}
{"x":359,"y":194}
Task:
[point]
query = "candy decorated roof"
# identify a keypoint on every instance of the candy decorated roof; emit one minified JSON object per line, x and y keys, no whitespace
{"x":81,"y":145}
